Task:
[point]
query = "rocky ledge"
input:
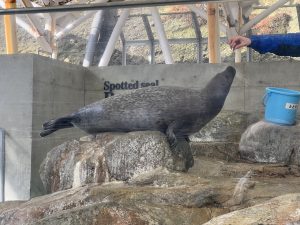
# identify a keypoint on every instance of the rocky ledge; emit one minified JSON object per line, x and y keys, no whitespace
{"x":210,"y":189}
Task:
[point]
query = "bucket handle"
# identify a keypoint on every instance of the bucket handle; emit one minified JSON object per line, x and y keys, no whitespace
{"x":265,"y":98}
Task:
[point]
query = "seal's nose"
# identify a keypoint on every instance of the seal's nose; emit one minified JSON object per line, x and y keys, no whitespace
{"x":231,"y":70}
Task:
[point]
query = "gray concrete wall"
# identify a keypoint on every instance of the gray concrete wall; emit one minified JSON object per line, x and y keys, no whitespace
{"x":16,"y":118}
{"x":58,"y":89}
{"x":35,"y":89}
{"x":245,"y":95}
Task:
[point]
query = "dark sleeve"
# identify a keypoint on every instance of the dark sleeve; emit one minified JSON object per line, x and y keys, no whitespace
{"x":279,"y":44}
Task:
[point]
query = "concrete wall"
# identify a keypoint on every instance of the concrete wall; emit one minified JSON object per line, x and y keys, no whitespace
{"x":16,"y":118}
{"x":58,"y":89}
{"x":245,"y":95}
{"x":35,"y":89}
{"x":32,"y":90}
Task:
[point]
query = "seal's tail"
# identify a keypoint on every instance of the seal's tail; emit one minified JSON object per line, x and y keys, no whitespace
{"x":54,"y":125}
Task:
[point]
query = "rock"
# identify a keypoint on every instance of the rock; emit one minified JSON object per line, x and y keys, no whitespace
{"x":119,"y":203}
{"x":159,"y":196}
{"x":271,"y":143}
{"x":280,"y":210}
{"x":240,"y":190}
{"x":218,"y":129}
{"x":220,"y":137}
{"x":106,"y":157}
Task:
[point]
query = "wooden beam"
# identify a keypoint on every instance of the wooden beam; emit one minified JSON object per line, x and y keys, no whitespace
{"x":213,"y":33}
{"x":10,"y":29}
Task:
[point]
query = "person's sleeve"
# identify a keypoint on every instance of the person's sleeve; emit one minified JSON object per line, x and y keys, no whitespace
{"x":279,"y":44}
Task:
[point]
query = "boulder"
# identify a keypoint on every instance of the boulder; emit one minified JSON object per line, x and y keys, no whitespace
{"x":266,"y":142}
{"x":280,"y":210}
{"x":220,"y":137}
{"x":106,"y":157}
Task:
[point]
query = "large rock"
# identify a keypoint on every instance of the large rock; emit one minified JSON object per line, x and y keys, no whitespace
{"x":220,"y":137}
{"x":169,"y":202}
{"x":106,"y":157}
{"x":281,"y":210}
{"x":270,"y":143}
{"x":159,"y":196}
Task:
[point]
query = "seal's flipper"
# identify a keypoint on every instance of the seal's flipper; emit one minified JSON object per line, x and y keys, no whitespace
{"x":54,"y":125}
{"x":171,"y":135}
{"x":179,"y":145}
{"x":183,"y":148}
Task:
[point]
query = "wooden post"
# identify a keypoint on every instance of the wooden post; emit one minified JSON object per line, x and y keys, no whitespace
{"x":10,"y":29}
{"x":213,"y":33}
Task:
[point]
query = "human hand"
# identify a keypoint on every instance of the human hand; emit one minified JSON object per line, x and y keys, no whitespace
{"x":239,"y":42}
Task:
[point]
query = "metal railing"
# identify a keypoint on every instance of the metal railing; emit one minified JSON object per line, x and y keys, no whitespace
{"x":101,"y":6}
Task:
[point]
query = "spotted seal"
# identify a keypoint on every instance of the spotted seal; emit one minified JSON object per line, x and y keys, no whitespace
{"x":176,"y":111}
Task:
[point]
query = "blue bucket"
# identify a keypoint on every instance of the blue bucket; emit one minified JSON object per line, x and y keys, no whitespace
{"x":281,"y":105}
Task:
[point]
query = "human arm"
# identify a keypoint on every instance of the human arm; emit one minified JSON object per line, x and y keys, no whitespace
{"x":279,"y":44}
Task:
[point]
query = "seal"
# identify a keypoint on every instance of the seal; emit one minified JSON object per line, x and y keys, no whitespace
{"x":178,"y":112}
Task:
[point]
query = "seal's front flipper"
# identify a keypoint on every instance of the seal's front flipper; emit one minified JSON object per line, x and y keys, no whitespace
{"x":184,"y":150}
{"x":171,"y":136}
{"x":179,"y":146}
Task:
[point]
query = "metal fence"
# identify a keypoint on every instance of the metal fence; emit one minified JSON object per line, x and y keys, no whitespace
{"x":72,"y":47}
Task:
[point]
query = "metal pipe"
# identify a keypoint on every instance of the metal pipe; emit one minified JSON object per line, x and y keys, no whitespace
{"x":201,"y":13}
{"x":172,"y":41}
{"x":33,"y":18}
{"x":35,"y":29}
{"x":150,"y":37}
{"x":298,"y":14}
{"x":92,"y":40}
{"x":72,"y":25}
{"x":100,"y":6}
{"x":198,"y":33}
{"x":124,"y":54}
{"x":266,"y":7}
{"x":33,"y":32}
{"x":113,"y":38}
{"x":2,"y":165}
{"x":124,"y":49}
{"x":53,"y":41}
{"x":261,"y":16}
{"x":162,"y":14}
{"x":232,"y":13}
{"x":164,"y":44}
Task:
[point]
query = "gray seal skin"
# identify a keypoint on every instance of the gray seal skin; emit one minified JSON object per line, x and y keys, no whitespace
{"x":178,"y":112}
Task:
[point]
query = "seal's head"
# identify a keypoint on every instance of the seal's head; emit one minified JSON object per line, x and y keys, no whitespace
{"x":219,"y":86}
{"x":224,"y":79}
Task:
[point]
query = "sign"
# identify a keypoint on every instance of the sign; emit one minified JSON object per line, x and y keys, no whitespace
{"x":291,"y":106}
{"x":110,"y":87}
